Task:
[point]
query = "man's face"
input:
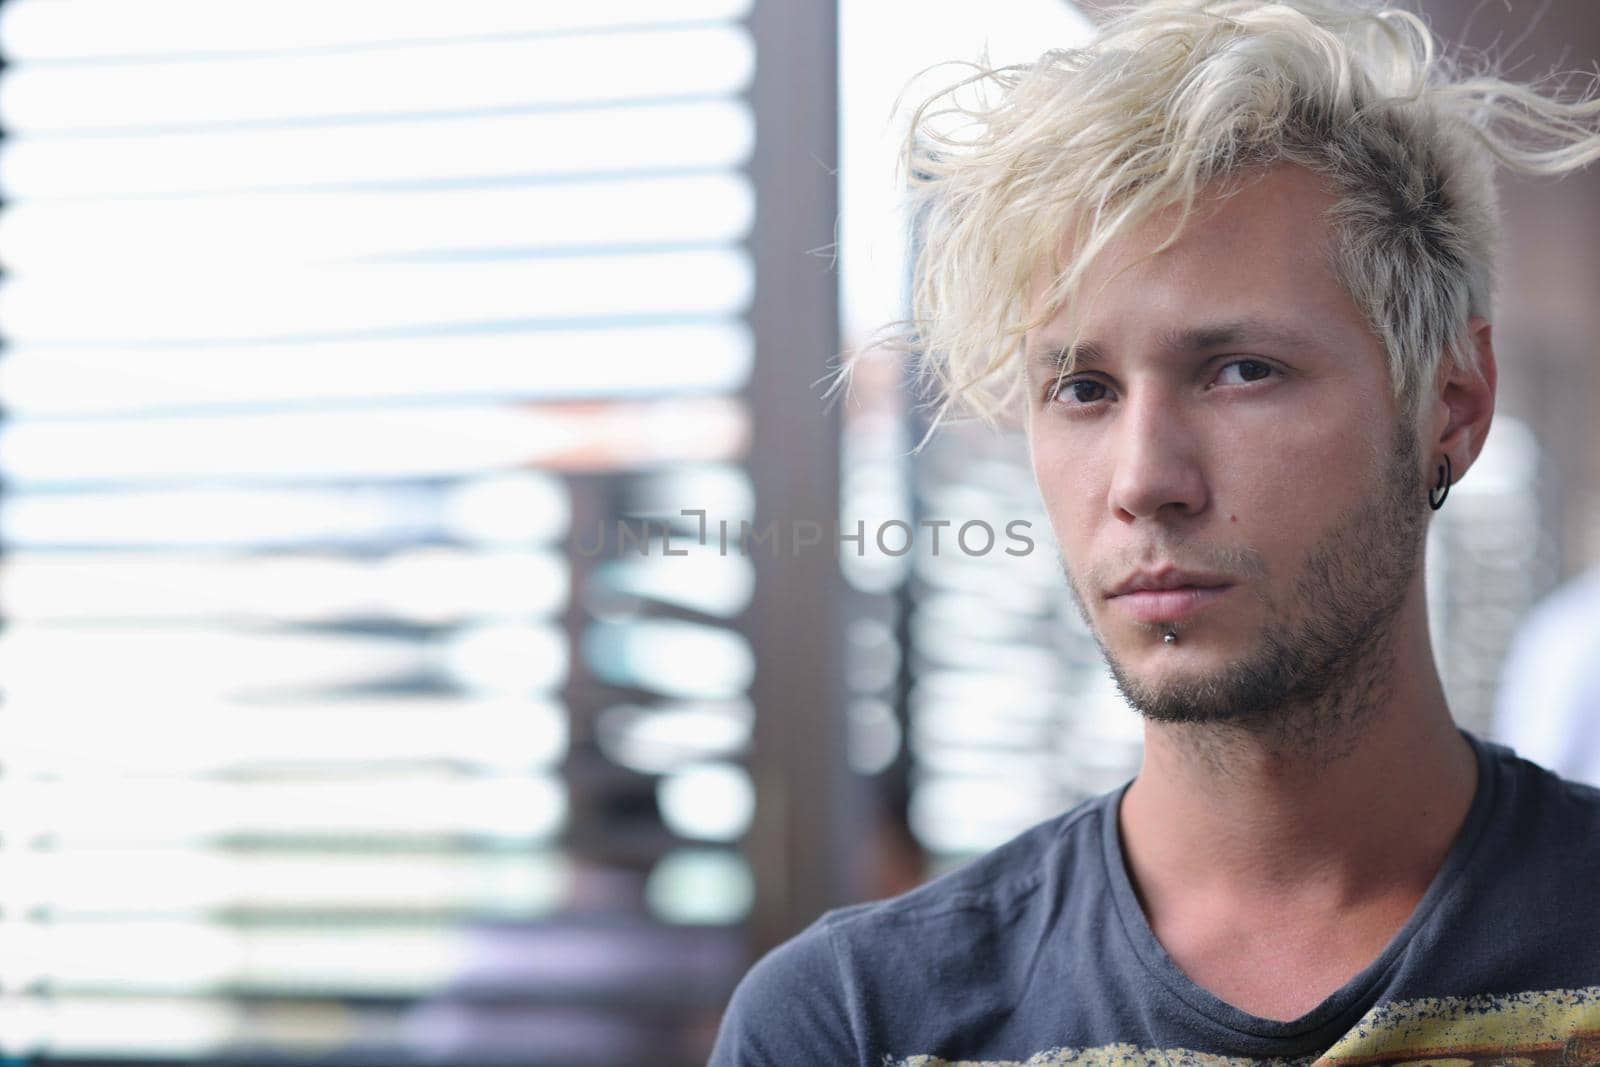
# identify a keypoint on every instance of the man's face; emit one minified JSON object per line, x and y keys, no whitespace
{"x":1227,"y":462}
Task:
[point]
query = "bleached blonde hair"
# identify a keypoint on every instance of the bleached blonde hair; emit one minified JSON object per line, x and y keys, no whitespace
{"x":1172,"y":98}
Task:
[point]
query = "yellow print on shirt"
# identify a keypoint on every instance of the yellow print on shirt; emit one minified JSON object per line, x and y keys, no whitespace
{"x":1552,"y":1028}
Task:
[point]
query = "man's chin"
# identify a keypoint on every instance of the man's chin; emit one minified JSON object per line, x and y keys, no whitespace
{"x":1172,"y":696}
{"x":1178,"y":684}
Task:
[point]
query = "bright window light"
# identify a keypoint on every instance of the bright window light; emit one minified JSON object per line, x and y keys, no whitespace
{"x":40,"y":658}
{"x":539,"y":364}
{"x":118,"y":1026}
{"x":659,"y":740}
{"x":327,"y":737}
{"x":508,"y":659}
{"x":476,"y":75}
{"x":128,"y":882}
{"x":44,"y":237}
{"x":701,"y":885}
{"x":209,"y":302}
{"x":701,"y":580}
{"x":398,"y":808}
{"x":401,"y":442}
{"x":478,"y":149}
{"x":424,"y":585}
{"x":522,"y":509}
{"x":707,"y":801}
{"x":679,"y":659}
{"x":46,"y":29}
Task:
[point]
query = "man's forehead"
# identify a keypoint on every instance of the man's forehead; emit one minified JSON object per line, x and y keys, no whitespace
{"x":1251,"y":267}
{"x":1281,"y":209}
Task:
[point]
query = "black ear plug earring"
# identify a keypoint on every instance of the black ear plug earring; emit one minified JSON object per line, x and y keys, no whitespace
{"x":1443,"y":488}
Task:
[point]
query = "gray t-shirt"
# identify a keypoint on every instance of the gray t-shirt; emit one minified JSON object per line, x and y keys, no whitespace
{"x":1038,"y":953}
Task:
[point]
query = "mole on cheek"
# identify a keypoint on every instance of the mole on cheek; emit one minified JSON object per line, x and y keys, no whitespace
{"x":1233,"y":518}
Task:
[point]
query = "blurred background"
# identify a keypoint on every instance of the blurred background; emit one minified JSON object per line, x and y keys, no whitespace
{"x":425,"y":630}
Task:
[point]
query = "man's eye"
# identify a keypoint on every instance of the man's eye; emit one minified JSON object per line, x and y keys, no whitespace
{"x":1082,"y":391}
{"x":1246,"y":370}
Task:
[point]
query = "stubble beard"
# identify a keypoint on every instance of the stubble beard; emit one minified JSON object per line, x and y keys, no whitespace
{"x":1323,"y":661}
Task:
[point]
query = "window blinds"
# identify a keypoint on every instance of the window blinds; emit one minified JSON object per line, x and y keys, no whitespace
{"x":333,"y":330}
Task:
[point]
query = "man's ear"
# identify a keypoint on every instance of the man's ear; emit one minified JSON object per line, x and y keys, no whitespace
{"x":1463,"y":405}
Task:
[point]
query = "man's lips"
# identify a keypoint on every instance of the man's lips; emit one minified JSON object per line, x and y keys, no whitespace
{"x":1169,"y":605}
{"x":1167,"y":594}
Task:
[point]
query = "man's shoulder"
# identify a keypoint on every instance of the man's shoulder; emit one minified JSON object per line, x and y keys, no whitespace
{"x":1543,"y":797}
{"x":1551,"y":820}
{"x":1527,"y":890}
{"x":807,"y":1000}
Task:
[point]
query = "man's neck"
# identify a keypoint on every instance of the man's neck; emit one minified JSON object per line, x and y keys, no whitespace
{"x":1270,"y":875}
{"x":1249,"y":818}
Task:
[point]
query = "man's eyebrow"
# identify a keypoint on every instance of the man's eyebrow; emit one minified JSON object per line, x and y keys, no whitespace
{"x":1241,"y":331}
{"x":1050,"y":358}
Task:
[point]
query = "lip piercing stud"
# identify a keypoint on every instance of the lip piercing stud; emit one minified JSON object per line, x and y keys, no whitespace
{"x":1171,"y":636}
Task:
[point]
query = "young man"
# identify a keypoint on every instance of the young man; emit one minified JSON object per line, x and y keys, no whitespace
{"x":1234,"y":260}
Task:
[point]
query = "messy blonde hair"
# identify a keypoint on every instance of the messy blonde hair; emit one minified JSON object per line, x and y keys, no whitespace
{"x":1173,"y":96}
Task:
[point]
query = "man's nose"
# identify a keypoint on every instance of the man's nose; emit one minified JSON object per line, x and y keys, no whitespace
{"x":1157,"y":467}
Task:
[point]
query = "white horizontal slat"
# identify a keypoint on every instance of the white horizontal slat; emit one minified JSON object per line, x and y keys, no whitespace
{"x":674,"y":658}
{"x":640,"y":361}
{"x":174,"y":662}
{"x":395,"y":808}
{"x":478,"y":75}
{"x":665,"y":737}
{"x":135,"y":882}
{"x":616,"y":140}
{"x":311,"y":229}
{"x":362,"y":444}
{"x":172,"y":736}
{"x":87,"y":29}
{"x":201,"y":305}
{"x":524,"y":509}
{"x":703,"y":578}
{"x":121,"y":1026}
{"x":169,"y":958}
{"x":423,"y":585}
